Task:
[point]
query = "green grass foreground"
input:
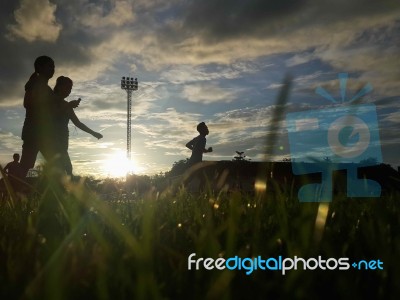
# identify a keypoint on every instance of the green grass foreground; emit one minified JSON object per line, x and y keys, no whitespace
{"x":69,"y":244}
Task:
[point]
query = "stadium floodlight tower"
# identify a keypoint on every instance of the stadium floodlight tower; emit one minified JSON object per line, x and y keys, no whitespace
{"x":129,"y":84}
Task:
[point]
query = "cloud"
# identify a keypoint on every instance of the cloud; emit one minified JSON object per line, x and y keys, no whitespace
{"x":240,"y":17}
{"x":9,"y":144}
{"x":10,"y":100}
{"x":378,"y":65}
{"x":104,"y":102}
{"x":173,"y":121}
{"x":245,"y":130}
{"x":314,"y":27}
{"x":206,"y":93}
{"x":169,"y":130}
{"x":35,"y":20}
{"x":266,"y":18}
{"x":151,"y":39}
{"x":96,"y":16}
{"x":393,"y":118}
{"x":300,"y":58}
{"x":187,"y":73}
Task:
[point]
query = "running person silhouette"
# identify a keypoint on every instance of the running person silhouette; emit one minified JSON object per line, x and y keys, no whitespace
{"x":198,"y":144}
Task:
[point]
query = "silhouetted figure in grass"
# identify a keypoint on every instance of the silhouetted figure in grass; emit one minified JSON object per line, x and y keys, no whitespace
{"x":62,"y":89}
{"x":198,"y":144}
{"x":38,"y":132}
{"x":194,"y":178}
{"x":13,"y":170}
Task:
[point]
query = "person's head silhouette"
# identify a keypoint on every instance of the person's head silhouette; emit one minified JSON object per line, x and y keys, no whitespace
{"x":202,"y":129}
{"x":63,"y":86}
{"x":44,"y":66}
{"x":16,"y":157}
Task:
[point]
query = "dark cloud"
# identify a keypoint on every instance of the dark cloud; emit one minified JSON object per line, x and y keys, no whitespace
{"x":17,"y":60}
{"x":222,"y":19}
{"x":7,"y":14}
{"x":70,"y":50}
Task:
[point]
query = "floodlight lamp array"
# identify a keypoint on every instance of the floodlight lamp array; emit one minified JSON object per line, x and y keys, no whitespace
{"x":129,"y":83}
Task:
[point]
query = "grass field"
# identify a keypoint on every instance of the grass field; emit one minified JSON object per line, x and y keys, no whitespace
{"x":66,"y":243}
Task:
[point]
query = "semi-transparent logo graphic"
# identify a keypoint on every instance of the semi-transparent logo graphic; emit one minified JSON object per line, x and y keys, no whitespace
{"x":343,"y":137}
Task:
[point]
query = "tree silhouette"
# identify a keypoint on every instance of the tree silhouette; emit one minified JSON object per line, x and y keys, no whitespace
{"x":178,"y":167}
{"x":240,"y":156}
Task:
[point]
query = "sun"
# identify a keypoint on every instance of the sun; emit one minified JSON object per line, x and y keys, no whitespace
{"x":118,"y":165}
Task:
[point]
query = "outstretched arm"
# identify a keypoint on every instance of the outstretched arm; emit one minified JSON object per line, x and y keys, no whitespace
{"x":82,"y":126}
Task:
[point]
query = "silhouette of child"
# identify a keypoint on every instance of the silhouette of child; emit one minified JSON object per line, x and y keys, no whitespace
{"x":198,"y":144}
{"x":62,"y":89}
{"x":41,"y":110}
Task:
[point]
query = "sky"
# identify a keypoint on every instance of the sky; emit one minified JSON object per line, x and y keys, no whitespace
{"x":221,"y":62}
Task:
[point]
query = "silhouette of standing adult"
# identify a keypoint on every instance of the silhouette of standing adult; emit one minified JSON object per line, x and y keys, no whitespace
{"x":38,"y":132}
{"x":62,"y":89}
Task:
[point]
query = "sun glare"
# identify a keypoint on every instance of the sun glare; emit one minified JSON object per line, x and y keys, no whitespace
{"x":118,"y":165}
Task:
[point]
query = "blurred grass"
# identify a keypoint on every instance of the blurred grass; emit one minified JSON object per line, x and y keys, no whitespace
{"x":71,"y":245}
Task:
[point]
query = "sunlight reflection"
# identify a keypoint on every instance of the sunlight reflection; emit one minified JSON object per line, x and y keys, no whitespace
{"x":260,"y":186}
{"x":320,"y":221}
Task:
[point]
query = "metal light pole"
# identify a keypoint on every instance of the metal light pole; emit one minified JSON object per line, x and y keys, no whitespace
{"x":129,"y":84}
